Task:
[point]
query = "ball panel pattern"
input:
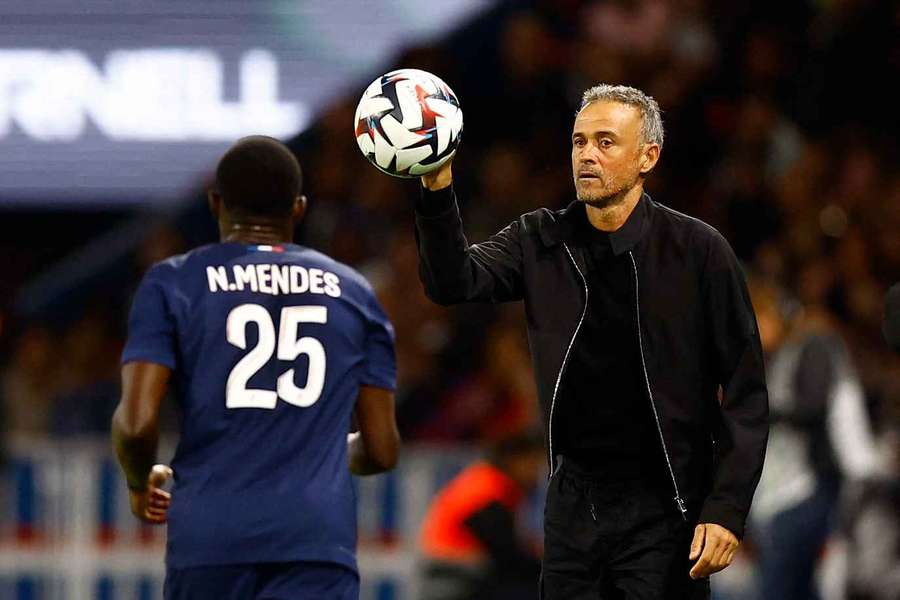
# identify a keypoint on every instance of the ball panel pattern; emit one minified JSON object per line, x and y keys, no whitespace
{"x":408,"y":122}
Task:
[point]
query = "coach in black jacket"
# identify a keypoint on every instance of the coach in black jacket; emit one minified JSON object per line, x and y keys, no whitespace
{"x":637,"y":317}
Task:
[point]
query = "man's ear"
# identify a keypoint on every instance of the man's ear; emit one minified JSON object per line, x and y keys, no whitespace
{"x":299,"y":209}
{"x":649,"y":158}
{"x":215,"y":202}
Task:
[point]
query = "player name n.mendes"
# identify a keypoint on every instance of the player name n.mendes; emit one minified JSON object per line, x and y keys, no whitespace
{"x":273,"y":279}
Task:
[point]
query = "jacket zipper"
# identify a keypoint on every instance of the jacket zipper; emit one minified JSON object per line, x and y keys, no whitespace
{"x":565,"y":360}
{"x":678,"y":499}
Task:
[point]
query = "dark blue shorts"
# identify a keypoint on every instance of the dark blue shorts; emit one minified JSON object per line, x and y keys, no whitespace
{"x":263,"y":581}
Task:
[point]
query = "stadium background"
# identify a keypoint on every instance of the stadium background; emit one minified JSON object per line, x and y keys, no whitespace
{"x":781,"y":132}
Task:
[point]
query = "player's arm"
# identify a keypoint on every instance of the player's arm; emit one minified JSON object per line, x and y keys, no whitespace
{"x":135,"y":436}
{"x":451,"y":269}
{"x":375,"y":448}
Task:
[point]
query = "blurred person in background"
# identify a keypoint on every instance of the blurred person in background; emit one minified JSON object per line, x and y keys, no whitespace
{"x":29,"y":383}
{"x":90,"y":388}
{"x":820,"y":439}
{"x":637,"y":317}
{"x":874,"y":528}
{"x":469,"y":539}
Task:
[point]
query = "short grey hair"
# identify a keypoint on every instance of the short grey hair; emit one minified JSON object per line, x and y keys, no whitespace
{"x":651,"y":120}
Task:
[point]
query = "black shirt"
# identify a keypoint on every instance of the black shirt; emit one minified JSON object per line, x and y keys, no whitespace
{"x":606,"y":422}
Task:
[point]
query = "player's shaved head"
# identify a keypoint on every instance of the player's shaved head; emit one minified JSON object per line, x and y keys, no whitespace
{"x":259,"y":177}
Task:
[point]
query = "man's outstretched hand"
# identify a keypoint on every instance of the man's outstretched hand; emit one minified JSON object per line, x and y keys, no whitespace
{"x":151,"y":505}
{"x":439,"y":178}
{"x":714,"y":546}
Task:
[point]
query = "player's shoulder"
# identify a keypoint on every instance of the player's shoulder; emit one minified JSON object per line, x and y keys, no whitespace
{"x":172,"y":266}
{"x":309,"y":257}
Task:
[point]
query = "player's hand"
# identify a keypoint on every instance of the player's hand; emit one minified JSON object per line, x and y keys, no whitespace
{"x":715,"y":546}
{"x":439,"y":178}
{"x":151,"y":505}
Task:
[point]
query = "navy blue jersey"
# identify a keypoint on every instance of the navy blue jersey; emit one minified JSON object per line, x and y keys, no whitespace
{"x":268,"y":347}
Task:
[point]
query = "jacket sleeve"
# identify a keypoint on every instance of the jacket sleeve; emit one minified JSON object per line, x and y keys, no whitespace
{"x":453,"y":271}
{"x":741,"y":430}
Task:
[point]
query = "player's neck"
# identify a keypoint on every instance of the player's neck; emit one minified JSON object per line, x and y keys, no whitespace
{"x":256,"y":232}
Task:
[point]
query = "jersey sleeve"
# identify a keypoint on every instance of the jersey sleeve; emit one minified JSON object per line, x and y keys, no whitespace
{"x":380,"y":368}
{"x":151,"y":325}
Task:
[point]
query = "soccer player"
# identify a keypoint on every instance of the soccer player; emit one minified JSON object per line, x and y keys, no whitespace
{"x":270,"y":348}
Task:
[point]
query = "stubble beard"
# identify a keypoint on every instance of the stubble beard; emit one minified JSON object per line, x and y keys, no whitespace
{"x":606,"y":198}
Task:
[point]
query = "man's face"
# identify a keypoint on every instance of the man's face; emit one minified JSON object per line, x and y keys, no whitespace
{"x":607,"y":152}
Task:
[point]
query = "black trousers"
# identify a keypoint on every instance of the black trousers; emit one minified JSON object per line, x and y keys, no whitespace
{"x":614,"y":538}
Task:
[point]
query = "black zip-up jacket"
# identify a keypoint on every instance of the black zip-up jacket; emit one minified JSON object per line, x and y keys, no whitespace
{"x":696,"y":327}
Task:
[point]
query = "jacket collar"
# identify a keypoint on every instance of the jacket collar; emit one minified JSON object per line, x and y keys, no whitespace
{"x":562,"y":225}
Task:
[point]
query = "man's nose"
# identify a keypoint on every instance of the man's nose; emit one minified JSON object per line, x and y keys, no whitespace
{"x":588,"y":155}
{"x":587,"y":158}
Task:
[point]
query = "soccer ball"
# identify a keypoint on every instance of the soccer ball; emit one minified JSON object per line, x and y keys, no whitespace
{"x":408,"y":123}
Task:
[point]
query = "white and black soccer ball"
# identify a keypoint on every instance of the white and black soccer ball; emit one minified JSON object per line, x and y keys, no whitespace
{"x":408,"y":123}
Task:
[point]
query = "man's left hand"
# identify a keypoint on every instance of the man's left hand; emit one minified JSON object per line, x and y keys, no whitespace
{"x":715,"y":546}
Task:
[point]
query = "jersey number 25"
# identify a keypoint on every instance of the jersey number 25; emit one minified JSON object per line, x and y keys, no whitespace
{"x":290,"y":346}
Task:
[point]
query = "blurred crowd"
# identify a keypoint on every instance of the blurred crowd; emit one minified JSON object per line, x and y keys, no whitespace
{"x":780,"y":133}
